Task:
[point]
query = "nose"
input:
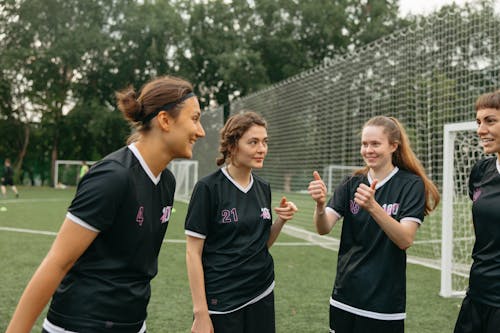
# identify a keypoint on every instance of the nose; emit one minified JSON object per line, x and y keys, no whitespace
{"x":481,"y":128}
{"x":201,"y":132}
{"x":262,"y":147}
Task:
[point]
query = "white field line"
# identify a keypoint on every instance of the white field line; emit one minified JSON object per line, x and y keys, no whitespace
{"x":175,"y":241}
{"x":333,"y":244}
{"x":17,"y":201}
{"x":311,"y":239}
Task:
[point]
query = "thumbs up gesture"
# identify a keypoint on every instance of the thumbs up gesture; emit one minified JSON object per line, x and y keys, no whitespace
{"x":365,"y":195}
{"x":317,"y":189}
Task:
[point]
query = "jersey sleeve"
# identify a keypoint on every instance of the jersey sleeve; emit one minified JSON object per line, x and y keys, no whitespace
{"x":413,"y":203}
{"x":99,"y":195}
{"x":476,"y":174}
{"x":199,"y":211}
{"x":340,"y":197}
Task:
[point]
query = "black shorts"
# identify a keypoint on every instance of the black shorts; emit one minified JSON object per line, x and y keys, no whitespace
{"x":477,"y":317}
{"x":254,"y":318}
{"x":8,"y":182}
{"x":345,"y":322}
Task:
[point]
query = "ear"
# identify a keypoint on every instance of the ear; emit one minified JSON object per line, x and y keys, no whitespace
{"x":394,"y":147}
{"x":164,"y":121}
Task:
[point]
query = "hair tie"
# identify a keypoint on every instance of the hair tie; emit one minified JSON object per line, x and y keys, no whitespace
{"x":166,"y":107}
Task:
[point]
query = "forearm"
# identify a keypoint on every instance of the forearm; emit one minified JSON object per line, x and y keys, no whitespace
{"x":323,"y":220}
{"x":36,"y":295}
{"x":400,"y":234}
{"x":196,"y":283}
{"x":275,"y":231}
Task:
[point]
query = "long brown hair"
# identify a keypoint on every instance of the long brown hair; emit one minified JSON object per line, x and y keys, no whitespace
{"x":404,"y":157}
{"x":154,"y":95}
{"x":233,"y":130}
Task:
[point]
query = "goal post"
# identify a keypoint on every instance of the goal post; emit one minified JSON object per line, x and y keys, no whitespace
{"x":67,"y":172}
{"x":334,"y":173}
{"x":186,"y":176}
{"x":461,"y":150}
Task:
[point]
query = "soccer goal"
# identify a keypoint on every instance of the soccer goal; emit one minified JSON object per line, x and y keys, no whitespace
{"x":186,"y":176}
{"x":67,"y":172}
{"x":334,"y":173}
{"x":461,"y":151}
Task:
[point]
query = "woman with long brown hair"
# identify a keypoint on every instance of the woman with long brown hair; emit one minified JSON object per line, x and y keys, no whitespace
{"x":382,"y":206}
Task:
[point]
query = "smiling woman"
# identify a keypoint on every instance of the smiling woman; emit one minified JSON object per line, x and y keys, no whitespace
{"x":382,"y":205}
{"x":99,"y":268}
{"x":480,"y":311}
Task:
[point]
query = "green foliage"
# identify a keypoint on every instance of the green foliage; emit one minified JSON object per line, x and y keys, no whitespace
{"x":63,"y":57}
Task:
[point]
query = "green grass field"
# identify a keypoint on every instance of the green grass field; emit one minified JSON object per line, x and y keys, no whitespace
{"x":304,"y":272}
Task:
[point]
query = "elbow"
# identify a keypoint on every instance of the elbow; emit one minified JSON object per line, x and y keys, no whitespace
{"x":322,"y":232}
{"x":405,"y":244}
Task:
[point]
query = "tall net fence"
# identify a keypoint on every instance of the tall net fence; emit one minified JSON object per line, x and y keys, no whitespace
{"x":427,"y":75}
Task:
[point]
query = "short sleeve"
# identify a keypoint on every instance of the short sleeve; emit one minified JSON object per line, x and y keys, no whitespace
{"x":100,"y":194}
{"x":413,"y":203}
{"x":475,"y":174}
{"x":340,"y":197}
{"x":199,"y":211}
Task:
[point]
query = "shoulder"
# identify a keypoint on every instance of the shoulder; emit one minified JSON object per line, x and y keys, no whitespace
{"x":122,"y":156}
{"x":112,"y":168}
{"x":212,"y":178}
{"x":483,"y":166}
{"x":168,"y":176}
{"x":260,"y":180}
{"x":408,"y":177}
{"x":354,"y":179}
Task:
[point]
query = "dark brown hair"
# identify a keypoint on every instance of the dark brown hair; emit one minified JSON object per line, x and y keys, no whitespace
{"x":488,"y":101}
{"x":154,"y":94}
{"x":233,"y":130}
{"x":404,"y":157}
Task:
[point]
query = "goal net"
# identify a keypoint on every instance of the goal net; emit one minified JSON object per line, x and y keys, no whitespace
{"x":67,"y":172}
{"x":461,"y":150}
{"x":186,"y":176}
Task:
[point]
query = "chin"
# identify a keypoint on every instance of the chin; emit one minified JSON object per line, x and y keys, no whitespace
{"x":186,"y":154}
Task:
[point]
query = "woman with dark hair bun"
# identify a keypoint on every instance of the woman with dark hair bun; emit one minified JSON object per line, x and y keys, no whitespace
{"x":99,"y":268}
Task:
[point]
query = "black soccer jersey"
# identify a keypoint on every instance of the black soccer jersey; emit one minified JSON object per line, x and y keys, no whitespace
{"x":235,"y":223}
{"x":484,"y":190}
{"x":371,"y":269}
{"x":8,"y":172}
{"x":109,"y":286}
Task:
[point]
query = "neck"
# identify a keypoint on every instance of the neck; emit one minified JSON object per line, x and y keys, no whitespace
{"x":381,"y":174}
{"x":156,"y":159}
{"x":240,"y":175}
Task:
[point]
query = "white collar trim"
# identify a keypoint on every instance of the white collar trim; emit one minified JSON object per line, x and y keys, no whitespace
{"x":385,"y":180}
{"x":143,"y":163}
{"x":241,"y":188}
{"x":498,"y":165}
